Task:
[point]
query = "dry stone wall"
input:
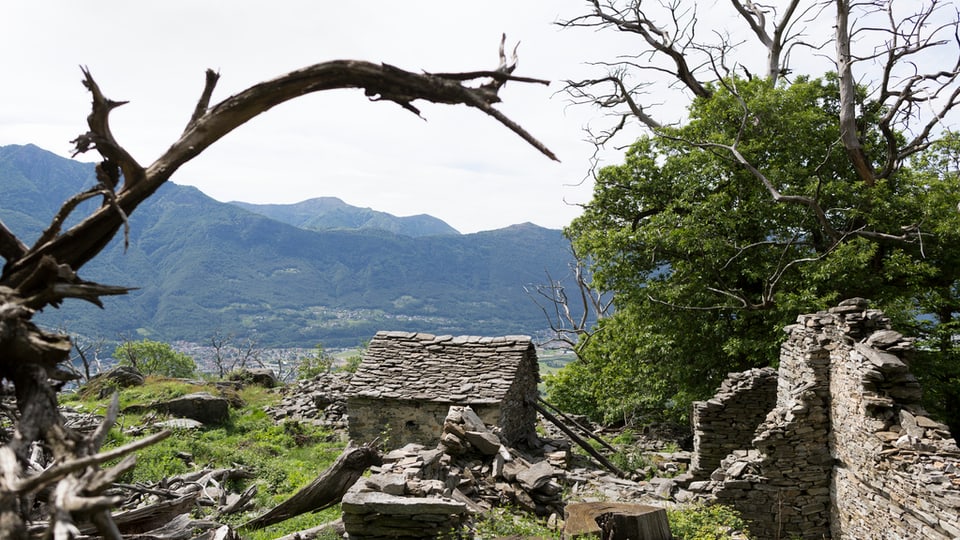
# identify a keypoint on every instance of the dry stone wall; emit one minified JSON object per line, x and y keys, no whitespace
{"x":728,"y":421}
{"x":847,"y":451}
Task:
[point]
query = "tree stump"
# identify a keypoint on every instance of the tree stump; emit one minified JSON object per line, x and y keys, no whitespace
{"x":616,"y":521}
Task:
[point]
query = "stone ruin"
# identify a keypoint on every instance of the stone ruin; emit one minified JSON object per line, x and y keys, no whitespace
{"x":832,"y":444}
{"x":845,"y":451}
{"x":407,"y":382}
{"x":422,"y":492}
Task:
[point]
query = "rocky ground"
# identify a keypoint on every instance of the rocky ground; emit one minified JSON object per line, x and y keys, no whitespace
{"x":469,"y":472}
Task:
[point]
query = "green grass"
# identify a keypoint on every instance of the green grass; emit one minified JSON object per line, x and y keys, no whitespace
{"x":283,"y":457}
{"x":504,"y":522}
{"x":702,"y":522}
{"x":299,"y":523}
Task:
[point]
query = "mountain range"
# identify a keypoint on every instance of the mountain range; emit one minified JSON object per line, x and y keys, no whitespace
{"x":319,"y":271}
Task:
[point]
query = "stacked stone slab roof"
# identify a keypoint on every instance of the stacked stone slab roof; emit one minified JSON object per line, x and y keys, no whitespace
{"x":425,"y":367}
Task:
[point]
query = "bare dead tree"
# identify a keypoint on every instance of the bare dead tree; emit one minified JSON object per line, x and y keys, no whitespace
{"x":46,"y":273}
{"x":571,"y":320}
{"x":228,"y":356}
{"x":88,"y":352}
{"x":249,"y":352}
{"x":679,"y":55}
{"x":220,"y":343}
{"x":879,"y":47}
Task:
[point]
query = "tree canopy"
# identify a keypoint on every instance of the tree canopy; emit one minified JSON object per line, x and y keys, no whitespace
{"x":717,"y":232}
{"x":155,"y":358}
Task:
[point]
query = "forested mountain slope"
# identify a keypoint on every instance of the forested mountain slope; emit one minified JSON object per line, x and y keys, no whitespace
{"x":203,"y":266}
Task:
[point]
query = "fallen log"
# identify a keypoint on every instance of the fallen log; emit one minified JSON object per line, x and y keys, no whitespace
{"x":240,"y":502}
{"x":313,"y":532}
{"x":577,"y":439}
{"x":148,"y":518}
{"x":579,"y":426}
{"x":326,"y":490}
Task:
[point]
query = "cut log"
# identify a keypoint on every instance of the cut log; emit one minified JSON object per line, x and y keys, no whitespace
{"x":615,"y":521}
{"x":326,"y":490}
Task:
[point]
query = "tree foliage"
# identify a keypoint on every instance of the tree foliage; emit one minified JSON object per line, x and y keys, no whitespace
{"x":717,"y":232}
{"x":155,"y":358}
{"x":317,"y":363}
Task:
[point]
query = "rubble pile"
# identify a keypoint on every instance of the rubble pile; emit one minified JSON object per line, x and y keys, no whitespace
{"x":321,"y":401}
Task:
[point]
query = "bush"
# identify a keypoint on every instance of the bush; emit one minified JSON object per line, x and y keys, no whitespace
{"x":316,"y":364}
{"x":701,"y":522}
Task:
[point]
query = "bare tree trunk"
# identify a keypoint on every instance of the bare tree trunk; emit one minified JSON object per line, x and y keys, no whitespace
{"x":848,"y":104}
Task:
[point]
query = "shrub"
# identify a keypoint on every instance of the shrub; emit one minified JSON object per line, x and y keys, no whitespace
{"x":702,"y":522}
{"x":315,"y":364}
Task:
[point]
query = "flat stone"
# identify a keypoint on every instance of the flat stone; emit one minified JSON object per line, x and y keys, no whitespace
{"x":382,"y":503}
{"x":536,"y":476}
{"x":179,"y":423}
{"x":884,"y":338}
{"x":485,"y":442}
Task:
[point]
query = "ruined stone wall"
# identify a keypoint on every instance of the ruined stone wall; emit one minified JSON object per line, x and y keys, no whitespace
{"x":847,"y":452}
{"x":897,"y":472}
{"x":518,"y":418}
{"x":728,"y":421}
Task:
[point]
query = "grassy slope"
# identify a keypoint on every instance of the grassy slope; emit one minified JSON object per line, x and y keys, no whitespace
{"x":283,"y":457}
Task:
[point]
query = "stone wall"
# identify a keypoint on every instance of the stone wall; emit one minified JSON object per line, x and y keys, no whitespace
{"x":728,"y":421}
{"x":400,"y":422}
{"x":847,"y":451}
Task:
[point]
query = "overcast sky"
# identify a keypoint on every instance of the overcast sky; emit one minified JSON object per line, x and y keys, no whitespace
{"x":458,"y":164}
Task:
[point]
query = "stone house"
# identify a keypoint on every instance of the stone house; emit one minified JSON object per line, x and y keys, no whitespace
{"x":407,"y":383}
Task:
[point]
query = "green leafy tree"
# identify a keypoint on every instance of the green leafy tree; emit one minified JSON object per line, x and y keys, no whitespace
{"x":155,"y":358}
{"x":352,"y":362}
{"x":707,"y":269}
{"x":777,"y":194}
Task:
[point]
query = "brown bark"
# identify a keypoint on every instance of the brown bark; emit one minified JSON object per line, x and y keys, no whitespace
{"x":615,"y":521}
{"x":848,"y":105}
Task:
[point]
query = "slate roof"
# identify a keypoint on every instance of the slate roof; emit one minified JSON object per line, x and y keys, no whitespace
{"x":425,"y":367}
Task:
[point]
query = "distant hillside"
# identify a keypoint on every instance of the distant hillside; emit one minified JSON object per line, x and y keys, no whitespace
{"x":331,"y":213}
{"x":204,"y":266}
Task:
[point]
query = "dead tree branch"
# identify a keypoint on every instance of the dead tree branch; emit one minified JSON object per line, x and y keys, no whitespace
{"x":324,"y":491}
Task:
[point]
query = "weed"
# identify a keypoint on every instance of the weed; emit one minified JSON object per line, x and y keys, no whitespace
{"x":503,"y":522}
{"x":702,"y":522}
